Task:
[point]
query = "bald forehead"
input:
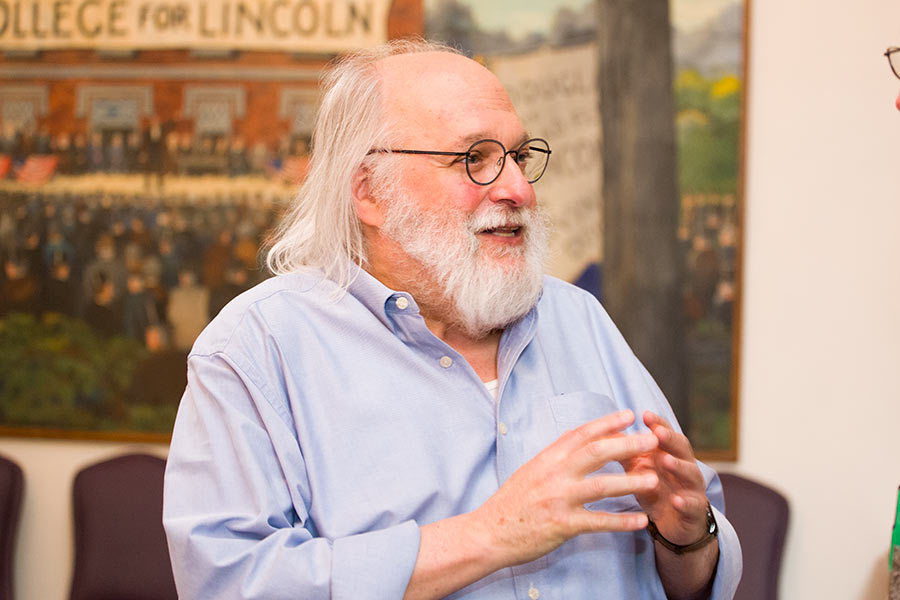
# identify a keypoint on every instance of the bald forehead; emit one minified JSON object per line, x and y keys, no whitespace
{"x":431,"y":91}
{"x":419,"y":64}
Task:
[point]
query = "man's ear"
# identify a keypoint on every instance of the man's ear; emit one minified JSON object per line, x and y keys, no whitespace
{"x":367,"y":208}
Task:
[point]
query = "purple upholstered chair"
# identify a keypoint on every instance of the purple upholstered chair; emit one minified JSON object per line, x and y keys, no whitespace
{"x":120,"y":545}
{"x":760,"y":517}
{"x":11,"y":485}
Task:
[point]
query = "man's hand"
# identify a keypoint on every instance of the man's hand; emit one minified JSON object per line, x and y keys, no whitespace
{"x":678,"y":504}
{"x":542,"y":504}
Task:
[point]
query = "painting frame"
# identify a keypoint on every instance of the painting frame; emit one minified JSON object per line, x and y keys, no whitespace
{"x":407,"y":17}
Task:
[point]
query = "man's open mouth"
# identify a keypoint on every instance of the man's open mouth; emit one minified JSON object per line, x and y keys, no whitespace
{"x":506,"y":231}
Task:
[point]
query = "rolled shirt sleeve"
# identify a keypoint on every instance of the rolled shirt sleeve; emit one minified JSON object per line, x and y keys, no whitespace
{"x":728,"y":571}
{"x":730,"y":566}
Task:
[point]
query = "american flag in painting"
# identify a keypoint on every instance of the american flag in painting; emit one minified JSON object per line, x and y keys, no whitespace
{"x":37,"y":169}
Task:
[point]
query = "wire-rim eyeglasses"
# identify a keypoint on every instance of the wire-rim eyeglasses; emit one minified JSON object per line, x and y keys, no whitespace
{"x":531,"y":156}
{"x":893,"y":56}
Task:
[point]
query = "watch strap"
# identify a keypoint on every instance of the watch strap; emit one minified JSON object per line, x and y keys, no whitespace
{"x":712,"y":530}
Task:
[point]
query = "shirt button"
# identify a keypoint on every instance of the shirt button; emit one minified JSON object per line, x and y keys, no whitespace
{"x":533,"y":593}
{"x":503,"y":430}
{"x":402,"y":302}
{"x":446,"y":361}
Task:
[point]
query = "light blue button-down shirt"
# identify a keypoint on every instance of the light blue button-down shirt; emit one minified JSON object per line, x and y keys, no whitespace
{"x":316,"y":435}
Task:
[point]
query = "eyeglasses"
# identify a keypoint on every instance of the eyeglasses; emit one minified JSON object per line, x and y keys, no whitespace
{"x":893,"y":56}
{"x":485,"y":159}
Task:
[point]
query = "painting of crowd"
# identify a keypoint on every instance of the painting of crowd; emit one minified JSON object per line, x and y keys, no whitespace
{"x":159,"y":149}
{"x":153,"y":266}
{"x":708,"y":232}
{"x":152,"y":269}
{"x":709,"y":238}
{"x":137,"y":236}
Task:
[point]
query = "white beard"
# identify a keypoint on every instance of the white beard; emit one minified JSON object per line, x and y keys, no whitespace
{"x":487,"y":292}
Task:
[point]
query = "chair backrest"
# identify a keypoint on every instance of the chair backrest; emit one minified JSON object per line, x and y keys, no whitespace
{"x":11,"y":485}
{"x":760,"y":517}
{"x":120,"y":545}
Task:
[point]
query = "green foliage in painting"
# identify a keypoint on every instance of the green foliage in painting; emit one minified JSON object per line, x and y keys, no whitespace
{"x":708,"y":120}
{"x":708,"y":343}
{"x":57,"y":372}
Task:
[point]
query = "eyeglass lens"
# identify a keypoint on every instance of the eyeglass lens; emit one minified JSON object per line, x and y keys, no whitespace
{"x":485,"y":160}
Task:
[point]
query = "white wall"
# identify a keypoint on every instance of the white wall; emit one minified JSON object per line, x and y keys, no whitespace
{"x":820,"y":389}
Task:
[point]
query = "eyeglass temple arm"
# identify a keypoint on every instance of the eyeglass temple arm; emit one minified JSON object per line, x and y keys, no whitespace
{"x":428,"y":152}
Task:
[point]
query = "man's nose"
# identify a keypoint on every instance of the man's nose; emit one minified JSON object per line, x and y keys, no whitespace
{"x":511,"y":186}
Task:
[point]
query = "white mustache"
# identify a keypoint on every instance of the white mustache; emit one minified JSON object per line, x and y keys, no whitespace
{"x":497,"y":216}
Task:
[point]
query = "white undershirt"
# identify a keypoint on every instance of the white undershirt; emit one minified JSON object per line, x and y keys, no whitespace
{"x":493,"y":387}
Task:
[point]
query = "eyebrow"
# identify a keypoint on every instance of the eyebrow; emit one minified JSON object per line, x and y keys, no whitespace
{"x":470,"y":139}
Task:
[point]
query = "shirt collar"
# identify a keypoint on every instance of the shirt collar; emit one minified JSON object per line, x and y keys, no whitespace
{"x":379,"y":299}
{"x":382,"y":302}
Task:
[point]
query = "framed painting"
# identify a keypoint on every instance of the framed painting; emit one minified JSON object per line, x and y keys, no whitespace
{"x":548,"y":55}
{"x":146,"y":148}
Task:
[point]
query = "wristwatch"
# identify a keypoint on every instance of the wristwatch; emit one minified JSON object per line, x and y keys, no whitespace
{"x":712,"y":530}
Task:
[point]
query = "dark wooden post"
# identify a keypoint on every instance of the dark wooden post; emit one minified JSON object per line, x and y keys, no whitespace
{"x":642,"y":263}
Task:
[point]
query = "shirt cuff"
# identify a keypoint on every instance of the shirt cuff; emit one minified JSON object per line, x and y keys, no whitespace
{"x":377,"y":564}
{"x":728,"y":571}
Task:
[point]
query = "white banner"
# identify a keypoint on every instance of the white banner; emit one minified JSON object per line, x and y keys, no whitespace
{"x":329,"y":26}
{"x":555,"y":94}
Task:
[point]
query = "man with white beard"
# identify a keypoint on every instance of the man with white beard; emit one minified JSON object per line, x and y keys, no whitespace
{"x":410,"y":409}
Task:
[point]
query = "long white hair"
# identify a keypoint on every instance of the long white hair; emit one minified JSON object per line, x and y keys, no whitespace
{"x":321,"y":230}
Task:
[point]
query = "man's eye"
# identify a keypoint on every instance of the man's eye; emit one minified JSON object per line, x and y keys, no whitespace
{"x":523,"y":156}
{"x":473,"y":159}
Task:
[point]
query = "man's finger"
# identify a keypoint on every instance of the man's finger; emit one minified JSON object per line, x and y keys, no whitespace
{"x":610,"y":424}
{"x":680,"y":473}
{"x":672,"y":442}
{"x":651,"y":419}
{"x":587,"y":521}
{"x":594,"y":454}
{"x":690,"y":506}
{"x":602,"y":486}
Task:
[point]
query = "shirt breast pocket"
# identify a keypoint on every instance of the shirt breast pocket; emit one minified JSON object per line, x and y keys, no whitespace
{"x":573,"y":409}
